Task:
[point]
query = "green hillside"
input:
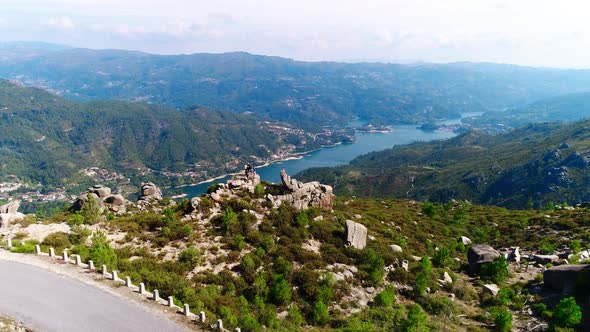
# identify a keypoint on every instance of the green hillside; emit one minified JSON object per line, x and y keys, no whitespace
{"x":46,"y":139}
{"x":567,"y":108}
{"x":530,"y":165}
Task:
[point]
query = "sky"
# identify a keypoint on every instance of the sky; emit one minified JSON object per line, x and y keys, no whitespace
{"x":526,"y":32}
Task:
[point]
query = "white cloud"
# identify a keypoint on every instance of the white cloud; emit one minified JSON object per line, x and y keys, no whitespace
{"x":61,"y":23}
{"x":2,"y":21}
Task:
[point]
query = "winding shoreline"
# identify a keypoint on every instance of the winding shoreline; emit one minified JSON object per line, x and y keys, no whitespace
{"x":293,"y":156}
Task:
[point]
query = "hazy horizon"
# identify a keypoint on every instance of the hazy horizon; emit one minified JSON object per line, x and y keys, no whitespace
{"x":529,"y":33}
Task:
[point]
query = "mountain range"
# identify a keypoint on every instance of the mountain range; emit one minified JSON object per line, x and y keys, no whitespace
{"x":309,"y":93}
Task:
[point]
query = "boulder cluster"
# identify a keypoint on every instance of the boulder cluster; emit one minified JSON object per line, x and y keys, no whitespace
{"x":303,"y":195}
{"x":104,"y":197}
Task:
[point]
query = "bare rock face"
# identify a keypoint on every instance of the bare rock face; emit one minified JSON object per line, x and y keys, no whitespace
{"x":150,"y":192}
{"x":480,"y":254}
{"x":286,"y":180}
{"x":491,"y":289}
{"x":356,"y":234}
{"x":9,"y":213}
{"x":567,"y":278}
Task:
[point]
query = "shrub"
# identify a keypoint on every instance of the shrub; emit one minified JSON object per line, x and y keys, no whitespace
{"x":420,"y":285}
{"x":294,"y":316}
{"x":79,"y":234}
{"x":101,"y":252}
{"x":416,"y":320}
{"x":75,"y":219}
{"x":229,"y":220}
{"x":567,"y":313}
{"x":259,"y":190}
{"x":58,"y":240}
{"x":442,"y":257}
{"x":281,"y":290}
{"x":190,"y":257}
{"x":503,"y":321}
{"x":496,"y":271}
{"x":576,"y":246}
{"x":239,"y":242}
{"x":321,"y":316}
{"x":91,"y":211}
{"x":386,"y":298}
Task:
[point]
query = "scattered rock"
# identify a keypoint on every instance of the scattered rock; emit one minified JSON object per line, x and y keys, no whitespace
{"x":465,"y":240}
{"x":405,"y":265}
{"x":480,"y":254}
{"x":446,"y":279}
{"x":396,"y":248}
{"x":318,"y":218}
{"x":356,"y":234}
{"x":100,"y":190}
{"x":544,"y":259}
{"x":357,"y":216}
{"x":491,"y":289}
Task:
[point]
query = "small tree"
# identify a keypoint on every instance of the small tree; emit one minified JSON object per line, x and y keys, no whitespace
{"x":321,"y":316}
{"x":567,"y":313}
{"x":503,"y":321}
{"x":496,"y":271}
{"x":90,"y":211}
{"x":386,"y":298}
{"x":416,"y":321}
{"x":229,"y":220}
{"x":281,"y":290}
{"x":191,"y":257}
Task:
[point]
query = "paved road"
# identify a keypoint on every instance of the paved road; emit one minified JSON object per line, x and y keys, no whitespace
{"x":45,"y":301}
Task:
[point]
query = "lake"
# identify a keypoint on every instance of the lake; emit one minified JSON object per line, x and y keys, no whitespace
{"x":338,"y":155}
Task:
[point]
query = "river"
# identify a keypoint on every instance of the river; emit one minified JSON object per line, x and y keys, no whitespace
{"x":341,"y":154}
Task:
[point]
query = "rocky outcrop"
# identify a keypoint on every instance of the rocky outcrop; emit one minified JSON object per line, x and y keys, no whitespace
{"x":9,"y":213}
{"x":103,"y":196}
{"x":491,"y":289}
{"x":544,"y":259}
{"x":303,"y":195}
{"x":356,"y":234}
{"x":568,"y":278}
{"x":150,"y":192}
{"x":465,"y":240}
{"x":480,"y":254}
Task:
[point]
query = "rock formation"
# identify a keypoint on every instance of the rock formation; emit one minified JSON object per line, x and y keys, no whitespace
{"x":356,"y":234}
{"x":480,"y":254}
{"x":149,"y":193}
{"x":9,"y":213}
{"x":303,"y":195}
{"x":103,"y":196}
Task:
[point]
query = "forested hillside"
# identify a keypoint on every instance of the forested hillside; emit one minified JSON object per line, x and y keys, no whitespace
{"x":284,"y":89}
{"x":534,"y":165}
{"x":46,"y":139}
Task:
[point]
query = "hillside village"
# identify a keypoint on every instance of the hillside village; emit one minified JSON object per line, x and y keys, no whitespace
{"x":297,"y":257}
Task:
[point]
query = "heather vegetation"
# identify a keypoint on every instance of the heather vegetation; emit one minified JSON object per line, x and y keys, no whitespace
{"x":256,"y":269}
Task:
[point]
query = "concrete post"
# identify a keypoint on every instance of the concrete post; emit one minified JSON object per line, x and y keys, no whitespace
{"x":78,"y":260}
{"x":51,"y":252}
{"x":170,"y":301}
{"x":202,"y":316}
{"x":66,"y":257}
{"x":104,"y":270}
{"x":115,"y":275}
{"x":91,"y":265}
{"x":187,"y":310}
{"x":8,"y":242}
{"x":156,"y":295}
{"x":141,"y":288}
{"x":219,"y":325}
{"x":128,"y":282}
{"x":38,"y":249}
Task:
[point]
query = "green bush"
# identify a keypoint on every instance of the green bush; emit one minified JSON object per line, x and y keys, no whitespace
{"x":386,"y":298}
{"x":420,"y":284}
{"x":58,"y":240}
{"x":503,"y":321}
{"x":576,"y":246}
{"x":281,"y":290}
{"x":79,"y":234}
{"x":567,"y":313}
{"x":497,"y":270}
{"x":190,"y":257}
{"x":321,"y":315}
{"x":75,"y":219}
{"x":229,"y":220}
{"x":416,"y":320}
